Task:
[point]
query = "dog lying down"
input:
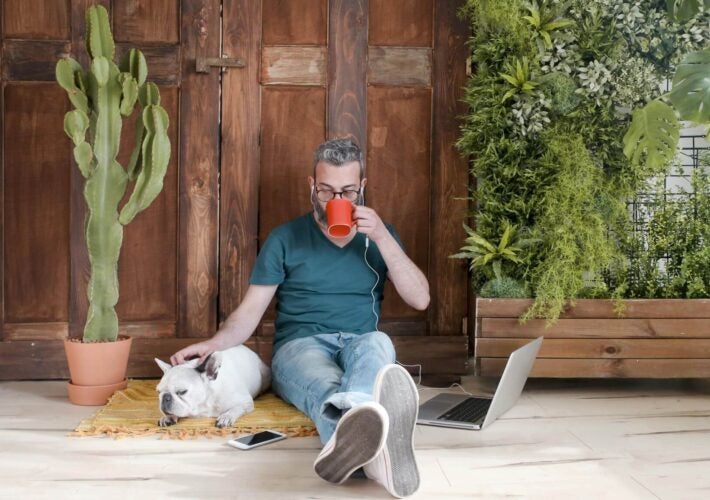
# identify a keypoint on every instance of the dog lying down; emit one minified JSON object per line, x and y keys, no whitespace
{"x":223,"y":386}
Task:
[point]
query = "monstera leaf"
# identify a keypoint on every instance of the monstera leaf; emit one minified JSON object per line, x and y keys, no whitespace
{"x":654,"y":130}
{"x":690,"y":94}
{"x":682,"y":10}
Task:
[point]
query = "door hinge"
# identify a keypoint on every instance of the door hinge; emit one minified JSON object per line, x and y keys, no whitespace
{"x":203,"y":64}
{"x":464,"y":325}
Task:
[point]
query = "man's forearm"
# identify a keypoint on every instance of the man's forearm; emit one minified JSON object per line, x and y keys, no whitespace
{"x":234,"y":331}
{"x":408,"y":280}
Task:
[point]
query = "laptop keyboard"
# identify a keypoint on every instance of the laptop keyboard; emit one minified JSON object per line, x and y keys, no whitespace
{"x":469,"y":410}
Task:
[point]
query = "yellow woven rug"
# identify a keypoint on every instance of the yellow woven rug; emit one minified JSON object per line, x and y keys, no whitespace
{"x":134,"y":412}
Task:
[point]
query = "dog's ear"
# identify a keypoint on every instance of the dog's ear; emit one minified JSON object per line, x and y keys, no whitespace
{"x":163,"y":365}
{"x":210,"y":366}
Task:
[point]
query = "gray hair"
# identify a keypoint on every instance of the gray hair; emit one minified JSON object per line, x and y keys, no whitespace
{"x":337,"y":152}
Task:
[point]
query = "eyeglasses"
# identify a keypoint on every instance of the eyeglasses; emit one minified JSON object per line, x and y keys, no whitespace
{"x":329,"y":194}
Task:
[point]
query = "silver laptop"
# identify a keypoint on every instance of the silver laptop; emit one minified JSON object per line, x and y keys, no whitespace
{"x":466,"y":412}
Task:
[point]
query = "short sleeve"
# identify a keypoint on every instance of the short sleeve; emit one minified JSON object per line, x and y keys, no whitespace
{"x":394,"y":234}
{"x":269,"y":266}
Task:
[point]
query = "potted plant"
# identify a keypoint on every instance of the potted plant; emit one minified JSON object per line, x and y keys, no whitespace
{"x":101,"y":95}
{"x":550,"y":98}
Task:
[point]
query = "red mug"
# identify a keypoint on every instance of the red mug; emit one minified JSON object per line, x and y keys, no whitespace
{"x":340,"y":217}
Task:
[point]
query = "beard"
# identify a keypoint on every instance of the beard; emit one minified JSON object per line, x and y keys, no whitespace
{"x":319,"y":209}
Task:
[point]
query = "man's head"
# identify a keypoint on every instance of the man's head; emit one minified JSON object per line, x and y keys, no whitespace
{"x":338,"y":171}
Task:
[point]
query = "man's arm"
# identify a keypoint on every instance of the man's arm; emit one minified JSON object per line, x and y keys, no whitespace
{"x":408,"y":280}
{"x":236,"y":329}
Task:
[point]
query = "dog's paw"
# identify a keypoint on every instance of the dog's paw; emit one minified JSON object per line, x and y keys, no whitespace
{"x":167,"y":421}
{"x":226,"y":420}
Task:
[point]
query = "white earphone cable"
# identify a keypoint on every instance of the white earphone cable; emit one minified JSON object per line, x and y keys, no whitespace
{"x":419,"y":382}
{"x":377,"y":281}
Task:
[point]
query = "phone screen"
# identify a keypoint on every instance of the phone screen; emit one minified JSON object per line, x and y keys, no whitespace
{"x":258,"y":438}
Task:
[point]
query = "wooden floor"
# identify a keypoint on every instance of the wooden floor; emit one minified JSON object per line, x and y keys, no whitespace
{"x":564,"y":439}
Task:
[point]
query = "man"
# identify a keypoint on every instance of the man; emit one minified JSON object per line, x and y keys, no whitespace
{"x":329,"y":358}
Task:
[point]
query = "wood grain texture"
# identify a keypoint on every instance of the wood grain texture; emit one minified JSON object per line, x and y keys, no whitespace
{"x":163,"y":61}
{"x":147,"y":266}
{"x":240,"y":153}
{"x":398,"y":173}
{"x":198,"y":173}
{"x":286,"y":158}
{"x":605,"y":368}
{"x":146,"y":21}
{"x":448,"y":278}
{"x":600,"y":348}
{"x":295,"y":22}
{"x":347,"y":68}
{"x":31,"y":60}
{"x":397,"y":66}
{"x":402,"y":22}
{"x":293,"y":65}
{"x":41,"y":19}
{"x":36,"y":184}
{"x":444,"y":356}
{"x":602,"y":308}
{"x":59,"y":330}
{"x":654,"y":339}
{"x":597,"y":328}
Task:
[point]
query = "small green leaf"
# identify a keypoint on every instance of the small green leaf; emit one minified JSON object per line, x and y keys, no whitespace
{"x":510,"y":79}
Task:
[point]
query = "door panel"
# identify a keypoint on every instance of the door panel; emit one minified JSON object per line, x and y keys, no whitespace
{"x":168,"y":263}
{"x":398,"y":175}
{"x":292,"y":125}
{"x":36,"y":204}
{"x":148,"y":262}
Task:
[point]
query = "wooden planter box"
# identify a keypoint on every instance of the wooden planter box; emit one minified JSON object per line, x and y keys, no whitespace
{"x":655,"y":338}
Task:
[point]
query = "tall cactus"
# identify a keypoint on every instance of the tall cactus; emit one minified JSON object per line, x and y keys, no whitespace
{"x":100,"y":95}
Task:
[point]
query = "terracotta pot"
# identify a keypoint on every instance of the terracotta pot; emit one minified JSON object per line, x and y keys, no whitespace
{"x":93,"y":395}
{"x":97,"y":369}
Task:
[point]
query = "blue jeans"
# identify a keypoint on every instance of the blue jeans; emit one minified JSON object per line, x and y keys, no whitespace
{"x":325,"y":375}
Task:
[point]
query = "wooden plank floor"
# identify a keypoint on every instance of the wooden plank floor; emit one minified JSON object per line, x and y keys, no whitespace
{"x":564,"y":439}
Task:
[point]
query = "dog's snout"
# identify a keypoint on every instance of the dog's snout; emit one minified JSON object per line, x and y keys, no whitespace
{"x":166,"y":401}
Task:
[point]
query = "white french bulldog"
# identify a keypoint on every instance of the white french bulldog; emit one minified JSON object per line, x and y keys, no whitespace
{"x":223,"y":386}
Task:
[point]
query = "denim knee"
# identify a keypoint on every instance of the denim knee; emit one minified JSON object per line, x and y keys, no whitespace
{"x":380,"y":343}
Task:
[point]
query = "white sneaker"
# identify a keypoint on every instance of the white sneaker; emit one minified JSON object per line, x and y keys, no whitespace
{"x":358,"y":438}
{"x":396,"y":466}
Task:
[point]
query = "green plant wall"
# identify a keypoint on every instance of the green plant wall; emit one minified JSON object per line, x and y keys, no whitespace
{"x":550,"y":98}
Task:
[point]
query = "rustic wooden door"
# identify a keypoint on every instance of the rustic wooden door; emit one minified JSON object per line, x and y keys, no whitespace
{"x":168,"y":262}
{"x":387,"y":73}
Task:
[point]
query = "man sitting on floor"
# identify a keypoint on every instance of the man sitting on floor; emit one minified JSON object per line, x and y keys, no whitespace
{"x":329,"y":358}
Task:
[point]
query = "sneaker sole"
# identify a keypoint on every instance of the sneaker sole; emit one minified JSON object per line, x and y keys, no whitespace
{"x":399,"y":396}
{"x":357,"y":442}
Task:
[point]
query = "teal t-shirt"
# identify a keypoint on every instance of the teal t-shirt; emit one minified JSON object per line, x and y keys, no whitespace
{"x":322,"y":288}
